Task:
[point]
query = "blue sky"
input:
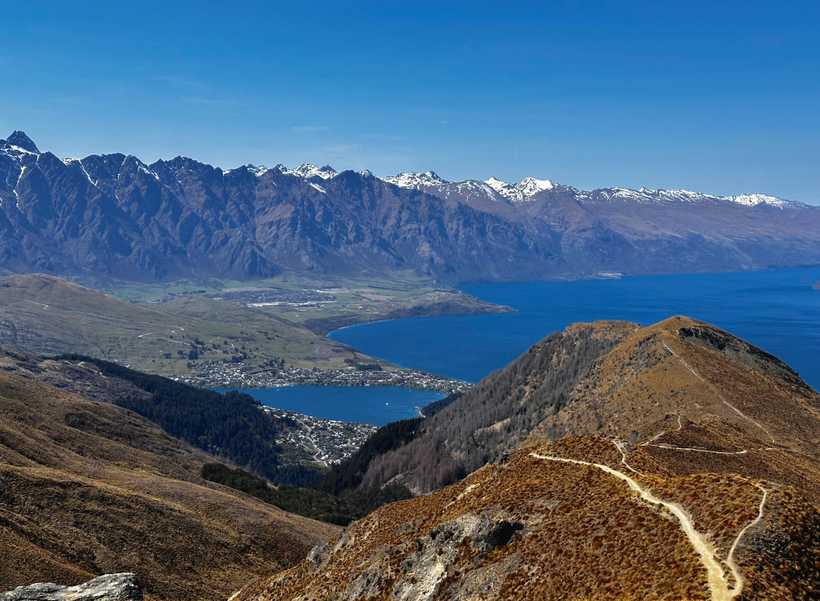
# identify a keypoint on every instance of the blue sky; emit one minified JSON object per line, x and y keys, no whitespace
{"x":716,"y":96}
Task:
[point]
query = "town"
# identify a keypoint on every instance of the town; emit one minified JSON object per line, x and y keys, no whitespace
{"x":317,"y":440}
{"x":213,"y":374}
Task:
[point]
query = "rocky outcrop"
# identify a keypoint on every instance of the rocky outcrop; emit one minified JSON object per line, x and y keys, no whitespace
{"x":109,"y":587}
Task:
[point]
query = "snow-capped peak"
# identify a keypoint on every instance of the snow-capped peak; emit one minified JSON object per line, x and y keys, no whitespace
{"x":257,"y":170}
{"x":497,"y":184}
{"x":418,"y":180}
{"x":522,"y":191}
{"x":752,"y":200}
{"x":308,"y":170}
{"x":531,"y":186}
{"x":20,"y":141}
{"x":654,"y":195}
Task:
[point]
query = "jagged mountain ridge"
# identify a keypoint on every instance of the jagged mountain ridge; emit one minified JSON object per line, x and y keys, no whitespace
{"x":114,"y":216}
{"x":530,"y":188}
{"x":680,"y":462}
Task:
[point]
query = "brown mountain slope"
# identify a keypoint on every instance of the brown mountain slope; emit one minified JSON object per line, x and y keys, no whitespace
{"x":89,"y":488}
{"x":615,"y":379}
{"x":534,"y":527}
{"x":681,"y":463}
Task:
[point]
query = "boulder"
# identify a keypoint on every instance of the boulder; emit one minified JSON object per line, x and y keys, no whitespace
{"x":109,"y":587}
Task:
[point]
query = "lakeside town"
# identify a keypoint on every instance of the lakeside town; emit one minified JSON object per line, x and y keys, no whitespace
{"x":213,"y":374}
{"x":321,"y":441}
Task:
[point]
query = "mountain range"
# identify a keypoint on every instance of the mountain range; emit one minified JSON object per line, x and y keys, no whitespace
{"x":113,"y":216}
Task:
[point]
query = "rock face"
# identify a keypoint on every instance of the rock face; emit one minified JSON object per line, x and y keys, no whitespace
{"x":109,"y":587}
{"x":681,"y":463}
{"x":113,"y":215}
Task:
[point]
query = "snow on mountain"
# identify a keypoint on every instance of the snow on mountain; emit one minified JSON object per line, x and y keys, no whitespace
{"x":652,"y":195}
{"x":426,"y":179}
{"x":309,"y":170}
{"x":21,"y":149}
{"x":21,"y":142}
{"x":756,"y":199}
{"x":469,"y":191}
{"x":522,"y":191}
{"x":257,"y":170}
{"x":530,"y":186}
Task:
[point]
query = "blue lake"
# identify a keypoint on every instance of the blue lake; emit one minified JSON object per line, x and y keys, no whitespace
{"x":371,"y":405}
{"x":777,"y":310}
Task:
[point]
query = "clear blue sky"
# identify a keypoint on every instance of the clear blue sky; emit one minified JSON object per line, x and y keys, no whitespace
{"x":715,"y":96}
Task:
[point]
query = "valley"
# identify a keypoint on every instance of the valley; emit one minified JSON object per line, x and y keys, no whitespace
{"x":610,"y":455}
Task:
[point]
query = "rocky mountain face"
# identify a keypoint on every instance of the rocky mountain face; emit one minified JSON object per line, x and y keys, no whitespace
{"x":114,"y":216}
{"x":89,"y":488}
{"x":678,"y":463}
{"x":109,"y":587}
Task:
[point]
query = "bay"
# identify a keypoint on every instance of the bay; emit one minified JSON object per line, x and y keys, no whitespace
{"x":777,"y":310}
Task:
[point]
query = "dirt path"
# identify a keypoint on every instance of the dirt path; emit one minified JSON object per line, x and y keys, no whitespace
{"x":662,"y":445}
{"x":719,"y":585}
{"x":621,"y":446}
{"x":730,"y":558}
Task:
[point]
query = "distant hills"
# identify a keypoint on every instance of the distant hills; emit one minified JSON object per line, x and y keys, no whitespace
{"x":49,"y":315}
{"x":113,"y":216}
{"x":611,"y":461}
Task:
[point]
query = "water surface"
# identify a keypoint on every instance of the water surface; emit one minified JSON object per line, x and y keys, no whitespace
{"x":776,"y":309}
{"x":369,"y":404}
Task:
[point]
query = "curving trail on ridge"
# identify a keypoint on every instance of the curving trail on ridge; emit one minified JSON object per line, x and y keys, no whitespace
{"x":719,"y":585}
{"x":621,"y":446}
{"x":717,"y":392}
{"x":730,"y":558}
{"x":662,"y":445}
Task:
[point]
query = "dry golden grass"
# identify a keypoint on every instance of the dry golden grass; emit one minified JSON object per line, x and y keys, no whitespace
{"x":88,"y":488}
{"x":705,"y":422}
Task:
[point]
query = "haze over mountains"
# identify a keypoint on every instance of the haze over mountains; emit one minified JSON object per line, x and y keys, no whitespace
{"x":114,"y":216}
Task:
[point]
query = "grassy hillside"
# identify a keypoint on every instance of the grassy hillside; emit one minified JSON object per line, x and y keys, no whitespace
{"x":673,"y":461}
{"x":47,"y":315}
{"x":90,"y":488}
